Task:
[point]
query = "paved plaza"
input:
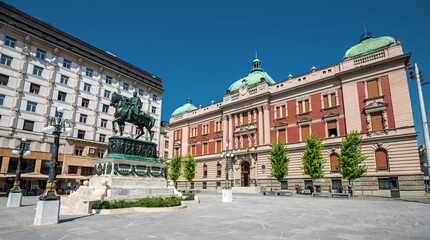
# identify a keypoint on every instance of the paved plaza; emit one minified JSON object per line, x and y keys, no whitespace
{"x":247,"y":217}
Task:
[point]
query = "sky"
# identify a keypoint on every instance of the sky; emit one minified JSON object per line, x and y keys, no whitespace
{"x":199,"y":48}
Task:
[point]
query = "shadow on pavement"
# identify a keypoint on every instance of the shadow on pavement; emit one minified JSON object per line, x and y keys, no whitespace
{"x":72,"y":219}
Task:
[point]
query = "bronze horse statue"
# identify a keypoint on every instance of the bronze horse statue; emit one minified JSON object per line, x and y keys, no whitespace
{"x":141,"y":120}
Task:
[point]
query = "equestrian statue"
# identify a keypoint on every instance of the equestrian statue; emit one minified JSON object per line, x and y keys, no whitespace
{"x":129,"y":110}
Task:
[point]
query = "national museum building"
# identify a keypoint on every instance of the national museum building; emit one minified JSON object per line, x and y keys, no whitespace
{"x":43,"y":68}
{"x":366,"y":92}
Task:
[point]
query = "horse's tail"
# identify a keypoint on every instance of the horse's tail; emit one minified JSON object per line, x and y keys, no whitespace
{"x":152,"y":122}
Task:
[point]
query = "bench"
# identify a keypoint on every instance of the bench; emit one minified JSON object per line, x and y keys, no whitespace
{"x":190,"y":191}
{"x":331,"y":195}
{"x":278,"y":193}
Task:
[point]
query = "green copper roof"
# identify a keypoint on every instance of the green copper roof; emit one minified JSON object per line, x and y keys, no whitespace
{"x":368,"y":44}
{"x":187,"y":107}
{"x":255,"y":77}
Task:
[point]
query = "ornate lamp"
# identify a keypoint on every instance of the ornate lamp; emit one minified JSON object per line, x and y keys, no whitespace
{"x":227,"y":195}
{"x":22,"y":151}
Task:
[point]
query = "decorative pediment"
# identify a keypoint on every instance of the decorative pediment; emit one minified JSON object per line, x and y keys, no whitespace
{"x":331,"y":116}
{"x":218,"y":137}
{"x":205,"y":139}
{"x":304,"y":120}
{"x":375,"y":106}
{"x":281,"y":125}
{"x":193,"y":142}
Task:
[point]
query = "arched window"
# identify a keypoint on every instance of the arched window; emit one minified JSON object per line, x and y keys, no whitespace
{"x":218,"y":170}
{"x":381,"y":159}
{"x":334,"y":160}
{"x":205,"y":171}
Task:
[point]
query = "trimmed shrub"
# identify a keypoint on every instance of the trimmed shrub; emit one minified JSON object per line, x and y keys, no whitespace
{"x":188,"y":196}
{"x":144,"y":202}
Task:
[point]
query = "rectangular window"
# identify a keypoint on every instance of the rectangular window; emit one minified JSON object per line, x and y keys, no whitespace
{"x":282,"y":135}
{"x":193,"y":132}
{"x":31,"y":106}
{"x":376,"y":119}
{"x":218,"y":184}
{"x":28,"y":125}
{"x":83,"y":118}
{"x":333,"y":99}
{"x":305,"y":132}
{"x":307,"y":108}
{"x":103,"y":123}
{"x":178,"y":135}
{"x":141,"y":92}
{"x":284,"y":185}
{"x":219,"y":146}
{"x":4,"y":80}
{"x":205,"y":148}
{"x":102,"y":138}
{"x":154,"y":110}
{"x":108,"y":80}
{"x":74,"y":169}
{"x":245,"y":141}
{"x":245,"y":118}
{"x":34,"y":88}
{"x":107,"y":94}
{"x":218,"y":170}
{"x":384,"y":184}
{"x":37,"y":71}
{"x":27,"y":165}
{"x":87,"y":171}
{"x":105,"y":108}
{"x":61,"y":96}
{"x":79,"y":151}
{"x":372,"y":88}
{"x":85,"y":102}
{"x":10,"y":42}
{"x":40,"y":54}
{"x":81,"y":134}
{"x":192,"y":185}
{"x":154,"y":97}
{"x":193,"y":150}
{"x":67,"y":64}
{"x":332,"y":128}
{"x":89,"y":72}
{"x":205,"y":185}
{"x":87,"y":87}
{"x":64,"y":80}
{"x":125,"y":86}
{"x":325,"y":100}
{"x":2,"y":97}
{"x":6,"y":60}
{"x":101,"y":153}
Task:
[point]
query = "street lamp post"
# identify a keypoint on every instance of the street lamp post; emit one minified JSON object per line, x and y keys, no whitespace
{"x":15,"y":195}
{"x":227,"y":195}
{"x":48,"y":206}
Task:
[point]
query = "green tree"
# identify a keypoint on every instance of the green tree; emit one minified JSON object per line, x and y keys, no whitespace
{"x":189,"y":165}
{"x":351,"y":157}
{"x":313,"y":161}
{"x":279,"y":159}
{"x":175,"y":168}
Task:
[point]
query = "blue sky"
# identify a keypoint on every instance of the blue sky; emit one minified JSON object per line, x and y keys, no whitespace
{"x":200,"y":47}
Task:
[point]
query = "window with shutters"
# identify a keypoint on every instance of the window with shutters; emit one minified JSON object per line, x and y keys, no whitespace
{"x":205,"y":171}
{"x":218,"y":170}
{"x":381,"y":159}
{"x":282,"y":135}
{"x":377,"y":121}
{"x":332,"y":128}
{"x":219,"y":146}
{"x":329,"y":100}
{"x":280,"y":112}
{"x":372,"y":88}
{"x":304,"y":106}
{"x":193,"y":150}
{"x":218,"y":126}
{"x":205,"y":148}
{"x":305,"y":132}
{"x":177,"y":135}
{"x":245,"y":118}
{"x":334,"y":160}
{"x":245,"y":141}
{"x":205,"y":129}
{"x":193,"y":132}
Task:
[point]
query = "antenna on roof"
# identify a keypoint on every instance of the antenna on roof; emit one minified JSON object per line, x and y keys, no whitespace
{"x":256,"y":54}
{"x":365,"y":30}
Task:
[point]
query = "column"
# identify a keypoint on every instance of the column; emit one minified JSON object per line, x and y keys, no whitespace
{"x":266,"y":124}
{"x":230,"y":130}
{"x":225,"y":128}
{"x":240,"y":119}
{"x":260,"y":125}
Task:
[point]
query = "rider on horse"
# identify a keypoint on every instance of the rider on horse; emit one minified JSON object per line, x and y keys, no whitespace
{"x":134,"y":106}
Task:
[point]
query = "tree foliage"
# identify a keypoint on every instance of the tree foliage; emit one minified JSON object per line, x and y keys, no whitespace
{"x":189,"y":165}
{"x":313,"y":161}
{"x":279,"y":159}
{"x":175,"y":167}
{"x":351,"y":157}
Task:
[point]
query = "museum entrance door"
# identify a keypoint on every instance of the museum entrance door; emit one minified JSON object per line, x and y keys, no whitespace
{"x":245,"y":174}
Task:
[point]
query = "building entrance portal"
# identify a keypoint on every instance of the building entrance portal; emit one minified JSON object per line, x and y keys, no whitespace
{"x":245,"y":174}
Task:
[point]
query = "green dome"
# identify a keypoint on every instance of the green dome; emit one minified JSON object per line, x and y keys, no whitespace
{"x":368,"y":44}
{"x":255,"y":77}
{"x":187,"y":107}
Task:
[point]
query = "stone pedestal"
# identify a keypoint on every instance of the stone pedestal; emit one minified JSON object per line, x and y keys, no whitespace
{"x":14,"y":199}
{"x":227,"y":195}
{"x":47,"y":212}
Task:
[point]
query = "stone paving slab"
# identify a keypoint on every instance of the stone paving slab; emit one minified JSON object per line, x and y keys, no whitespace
{"x":249,"y":216}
